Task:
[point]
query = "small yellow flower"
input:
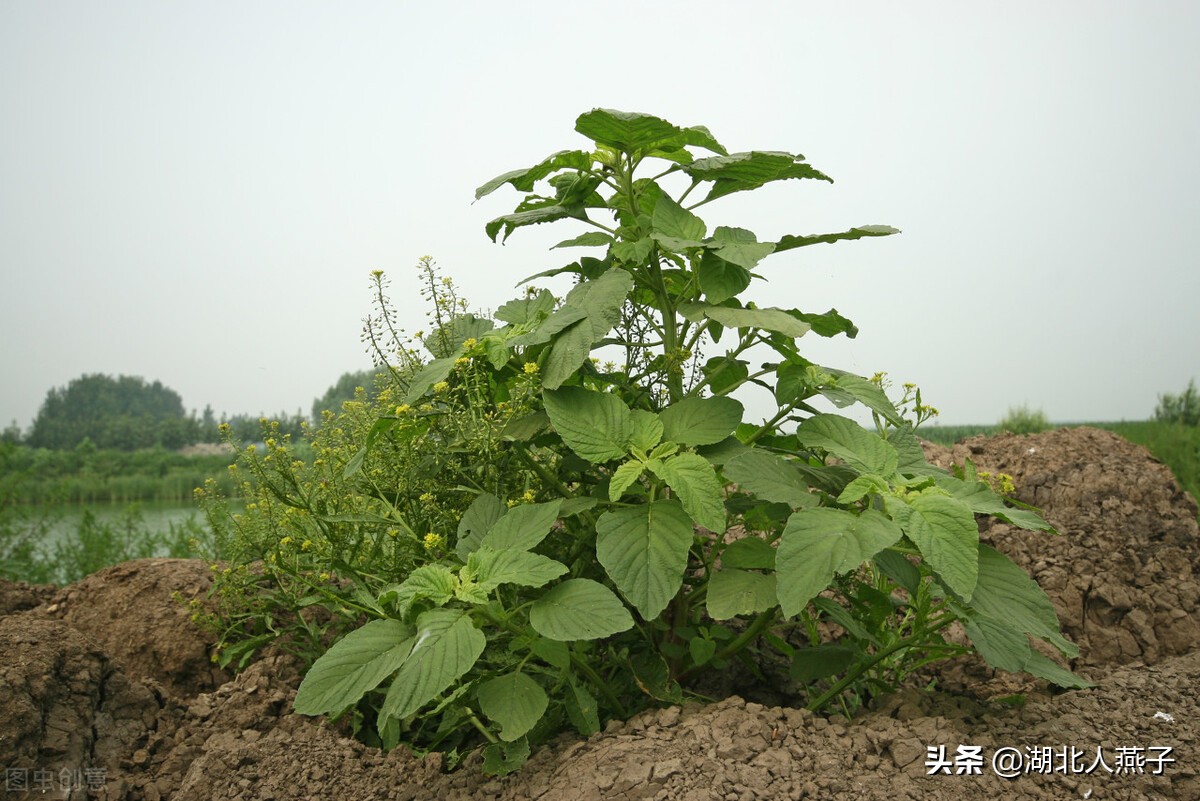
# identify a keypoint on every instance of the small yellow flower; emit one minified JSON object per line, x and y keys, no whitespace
{"x":403,"y":409}
{"x":426,"y":497}
{"x":376,"y":273}
{"x":286,"y":541}
{"x":441,"y":386}
{"x":462,"y":361}
{"x":324,"y":577}
{"x":528,"y":496}
{"x":469,"y":343}
{"x":304,"y":546}
{"x":433,"y":541}
{"x":530,"y":368}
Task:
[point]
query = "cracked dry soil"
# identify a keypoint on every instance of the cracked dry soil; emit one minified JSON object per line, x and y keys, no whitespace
{"x":106,"y":691}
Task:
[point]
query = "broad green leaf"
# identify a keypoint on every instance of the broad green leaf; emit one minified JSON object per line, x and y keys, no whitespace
{"x":576,"y":505}
{"x":355,"y":665}
{"x":672,"y":220}
{"x":984,"y":501}
{"x":769,"y":477}
{"x":861,"y":486}
{"x":840,"y":436}
{"x":579,"y":609}
{"x":525,"y":428}
{"x":523,"y":527}
{"x":1006,"y":593}
{"x":501,"y":758}
{"x":626,"y":131}
{"x":553,"y":324}
{"x":635,"y":252}
{"x":1000,"y":645}
{"x":741,"y":171}
{"x":437,"y":370}
{"x":749,"y":553}
{"x":733,"y":592}
{"x":653,"y":677}
{"x":645,"y":429}
{"x":701,"y":650}
{"x":534,"y":216}
{"x":776,"y":320}
{"x":820,"y":661}
{"x":644,"y":550}
{"x":896,"y":566}
{"x":945,"y":532}
{"x":593,"y":424}
{"x":601,"y":299}
{"x":700,"y":136}
{"x":739,"y":246}
{"x":480,"y":516}
{"x":695,"y":483}
{"x":524,"y":180}
{"x":723,"y":373}
{"x":567,"y":353}
{"x":491,"y":568}
{"x":527,"y":311}
{"x":790,"y":242}
{"x":447,"y":341}
{"x":912,"y":458}
{"x":720,"y":279}
{"x":433,"y":582}
{"x":447,"y":645}
{"x":582,"y":709}
{"x":1044,"y":668}
{"x":515,"y":701}
{"x":829,"y":324}
{"x":869,"y":394}
{"x":817,"y":544}
{"x":623,"y":478}
{"x":700,"y":421}
{"x":552,"y":652}
{"x":590,"y":239}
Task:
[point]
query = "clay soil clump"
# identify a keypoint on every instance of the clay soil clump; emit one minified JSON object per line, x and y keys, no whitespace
{"x":110,"y":676}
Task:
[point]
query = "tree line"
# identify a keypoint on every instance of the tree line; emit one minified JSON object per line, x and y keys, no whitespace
{"x":127,"y":413}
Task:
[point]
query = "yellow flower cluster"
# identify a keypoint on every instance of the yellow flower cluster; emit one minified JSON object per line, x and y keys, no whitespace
{"x":433,"y":541}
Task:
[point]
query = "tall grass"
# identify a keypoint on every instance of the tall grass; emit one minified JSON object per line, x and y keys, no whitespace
{"x":93,"y":476}
{"x":92,"y":544}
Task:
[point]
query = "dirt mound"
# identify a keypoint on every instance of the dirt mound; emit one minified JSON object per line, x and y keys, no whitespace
{"x":132,"y":612}
{"x":110,"y":675}
{"x":1125,"y":573}
{"x":65,"y":705}
{"x":17,"y":596}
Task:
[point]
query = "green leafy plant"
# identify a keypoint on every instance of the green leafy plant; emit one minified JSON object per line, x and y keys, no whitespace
{"x":608,"y":527}
{"x":1024,"y":420}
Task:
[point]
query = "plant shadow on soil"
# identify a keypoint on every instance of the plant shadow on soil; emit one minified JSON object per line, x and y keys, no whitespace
{"x":109,"y":676}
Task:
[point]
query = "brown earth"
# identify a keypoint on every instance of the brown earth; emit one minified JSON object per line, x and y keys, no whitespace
{"x":109,"y":675}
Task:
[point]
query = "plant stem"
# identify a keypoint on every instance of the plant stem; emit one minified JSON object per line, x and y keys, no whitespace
{"x":853,"y":675}
{"x":756,"y":627}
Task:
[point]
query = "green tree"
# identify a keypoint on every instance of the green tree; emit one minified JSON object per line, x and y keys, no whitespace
{"x":342,"y":391}
{"x":124,"y":413}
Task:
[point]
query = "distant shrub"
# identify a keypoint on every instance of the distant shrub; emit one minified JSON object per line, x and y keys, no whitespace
{"x":1182,"y":408}
{"x":1023,"y":420}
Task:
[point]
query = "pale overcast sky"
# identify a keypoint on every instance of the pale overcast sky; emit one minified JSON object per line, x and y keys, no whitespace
{"x":196,"y":192}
